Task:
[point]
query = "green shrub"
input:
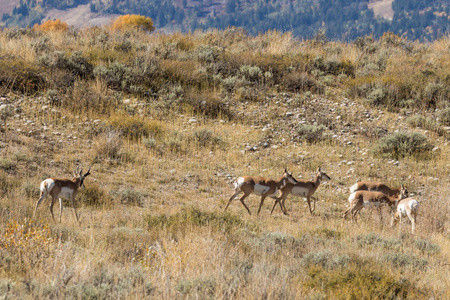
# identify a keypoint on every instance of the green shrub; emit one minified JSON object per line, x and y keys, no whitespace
{"x":327,"y":233}
{"x":93,"y":195}
{"x":444,"y":116}
{"x":333,"y":66}
{"x":73,"y":62}
{"x":205,"y":137}
{"x":403,"y":144}
{"x":231,"y":83}
{"x":128,"y":196}
{"x":363,"y":280}
{"x":207,"y":104}
{"x":135,"y":127}
{"x":311,"y":133}
{"x":426,"y":246}
{"x":207,"y":53}
{"x":301,"y":82}
{"x":325,"y":259}
{"x":276,"y":242}
{"x":20,"y":76}
{"x":203,"y":288}
{"x":195,"y":217}
{"x":435,"y":93}
{"x":373,"y":239}
{"x":251,"y":73}
{"x":8,"y":165}
{"x":425,"y":123}
{"x":109,"y":145}
{"x":30,"y":190}
{"x":401,"y":260}
{"x":150,"y":143}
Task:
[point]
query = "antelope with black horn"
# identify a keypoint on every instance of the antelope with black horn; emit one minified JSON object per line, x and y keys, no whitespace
{"x":59,"y":188}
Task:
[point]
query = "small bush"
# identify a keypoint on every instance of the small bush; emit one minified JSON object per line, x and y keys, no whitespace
{"x":426,"y":246}
{"x":203,"y":288}
{"x":135,"y":127}
{"x":109,"y":145}
{"x":196,"y":217}
{"x":207,"y":54}
{"x":150,"y":143}
{"x":435,"y":93}
{"x":52,"y":25}
{"x":444,"y":116}
{"x":128,"y":196}
{"x":327,"y":233}
{"x":251,"y":73}
{"x":74,"y":63}
{"x":425,"y":123}
{"x":403,"y":144}
{"x":127,"y":22}
{"x":30,"y":190}
{"x":205,"y":137}
{"x":301,"y":82}
{"x":365,"y":280}
{"x":211,"y":107}
{"x":21,"y":76}
{"x":232,"y":83}
{"x":325,"y":259}
{"x":311,"y":133}
{"x":8,"y":165}
{"x":333,"y":66}
{"x":405,"y":260}
{"x":93,"y":195}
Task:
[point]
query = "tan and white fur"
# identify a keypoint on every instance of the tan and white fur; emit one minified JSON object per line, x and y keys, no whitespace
{"x":59,"y":188}
{"x":360,"y":199}
{"x":303,"y":188}
{"x":261,"y":186}
{"x":375,"y":186}
{"x":379,"y":187}
{"x":406,"y":207}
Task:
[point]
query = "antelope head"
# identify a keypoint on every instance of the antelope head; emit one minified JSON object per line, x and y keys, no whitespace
{"x":82,"y":177}
{"x":289,"y":176}
{"x":322,"y":175}
{"x":403,"y":192}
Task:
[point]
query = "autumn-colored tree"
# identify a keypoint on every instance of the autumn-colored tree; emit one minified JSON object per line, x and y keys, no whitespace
{"x":52,"y":25}
{"x":133,"y":21}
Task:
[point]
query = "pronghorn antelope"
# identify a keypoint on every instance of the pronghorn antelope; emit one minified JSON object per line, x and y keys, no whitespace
{"x":303,"y":188}
{"x":61,"y":188}
{"x":406,"y":207}
{"x":379,"y":187}
{"x":262,"y":186}
{"x":375,"y":186}
{"x":359,"y":199}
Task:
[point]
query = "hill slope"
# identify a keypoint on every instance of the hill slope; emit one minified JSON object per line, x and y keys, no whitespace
{"x":341,"y":19}
{"x":168,"y":122}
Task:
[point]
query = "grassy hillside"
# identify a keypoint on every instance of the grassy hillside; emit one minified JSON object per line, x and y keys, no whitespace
{"x":169,"y":121}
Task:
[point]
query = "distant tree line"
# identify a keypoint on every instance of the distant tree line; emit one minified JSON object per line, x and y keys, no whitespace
{"x":339,"y":19}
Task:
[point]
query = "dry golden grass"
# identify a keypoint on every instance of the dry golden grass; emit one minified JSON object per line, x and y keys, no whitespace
{"x":164,"y":159}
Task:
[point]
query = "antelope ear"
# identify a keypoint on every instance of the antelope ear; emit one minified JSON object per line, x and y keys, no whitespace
{"x":285,"y":170}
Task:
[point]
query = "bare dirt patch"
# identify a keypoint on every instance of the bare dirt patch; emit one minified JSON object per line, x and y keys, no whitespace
{"x":6,"y":7}
{"x":79,"y":16}
{"x":382,"y":8}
